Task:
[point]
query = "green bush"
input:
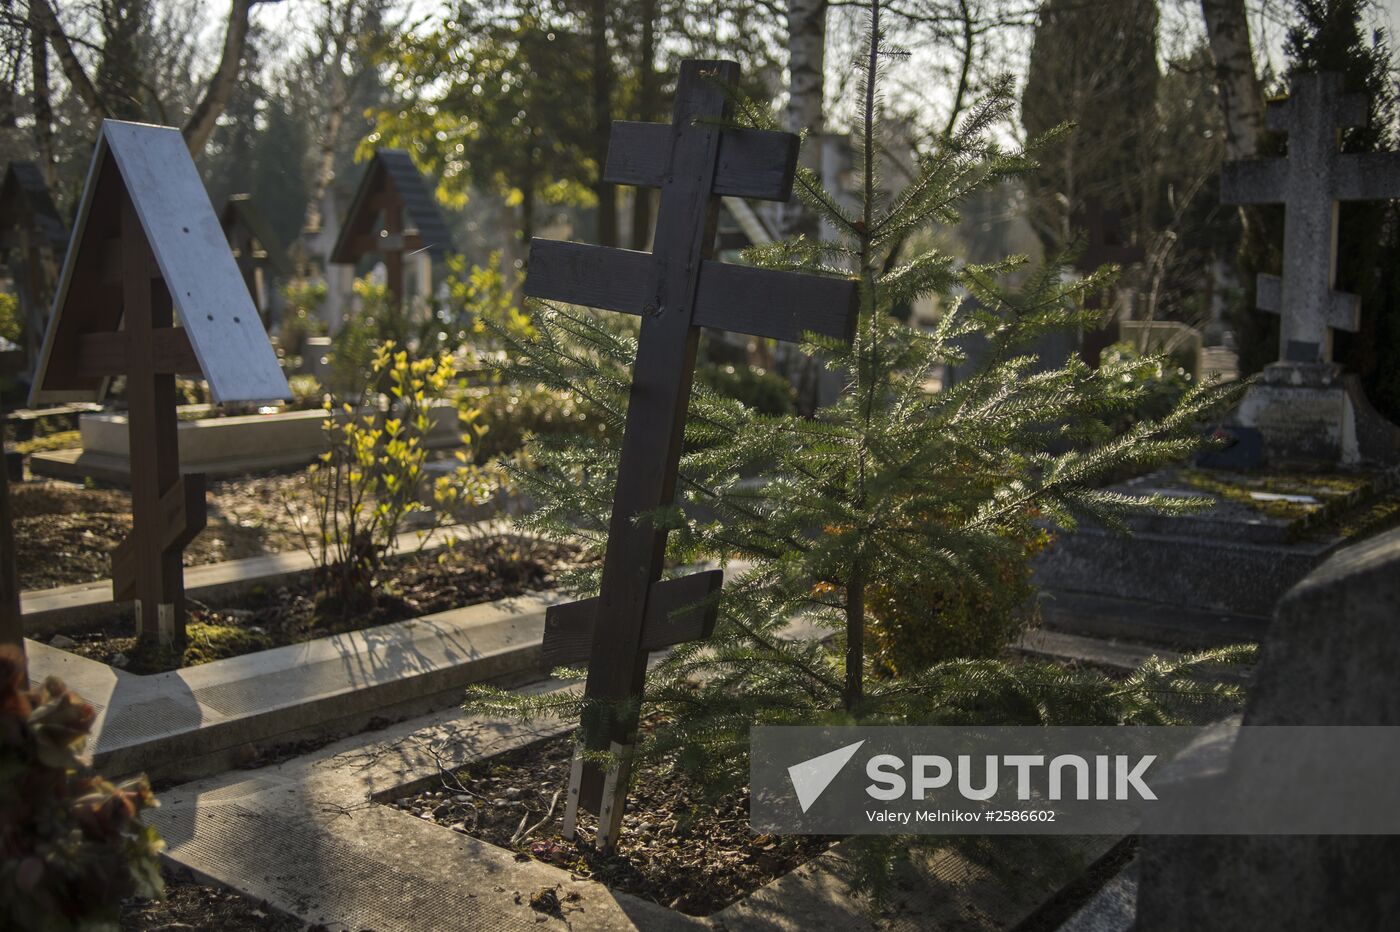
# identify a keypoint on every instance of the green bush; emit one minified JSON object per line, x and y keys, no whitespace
{"x":372,"y":477}
{"x":763,"y":391}
{"x":1161,"y":380}
{"x":72,"y":845}
{"x":300,"y":316}
{"x":509,"y":414}
{"x":11,"y":324}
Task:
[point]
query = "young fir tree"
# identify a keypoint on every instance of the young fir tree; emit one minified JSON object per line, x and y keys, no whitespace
{"x":885,"y":509}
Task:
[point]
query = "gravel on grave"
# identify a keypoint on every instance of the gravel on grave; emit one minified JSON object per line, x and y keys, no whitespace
{"x":471,"y":571}
{"x":65,"y":533}
{"x":677,"y":848}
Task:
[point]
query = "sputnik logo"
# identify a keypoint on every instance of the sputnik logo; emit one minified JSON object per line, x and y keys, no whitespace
{"x":811,"y":777}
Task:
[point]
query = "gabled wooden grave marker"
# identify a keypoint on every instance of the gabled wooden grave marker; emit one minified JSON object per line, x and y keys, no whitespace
{"x":1104,"y":245}
{"x":1310,"y":182}
{"x":256,"y":247}
{"x":146,"y":243}
{"x":33,"y":238}
{"x":395,"y":216}
{"x":676,"y":289}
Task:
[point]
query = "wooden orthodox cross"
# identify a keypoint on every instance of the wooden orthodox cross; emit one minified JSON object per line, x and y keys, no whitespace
{"x":10,"y":630}
{"x":146,"y":243}
{"x":1103,"y":231}
{"x":1309,"y":182}
{"x":676,"y":289}
{"x":256,"y":248}
{"x":395,"y":216}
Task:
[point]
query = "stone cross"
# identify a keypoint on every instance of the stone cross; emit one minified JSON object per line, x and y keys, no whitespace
{"x":676,"y":289}
{"x":146,"y":244}
{"x":1310,"y":182}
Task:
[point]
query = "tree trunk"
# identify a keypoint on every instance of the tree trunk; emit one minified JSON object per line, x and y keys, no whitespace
{"x":854,"y":691}
{"x":47,"y":22}
{"x":1236,"y":83}
{"x":647,"y":105}
{"x":602,"y":122}
{"x":43,"y":104}
{"x":205,"y":115}
{"x":806,"y":68}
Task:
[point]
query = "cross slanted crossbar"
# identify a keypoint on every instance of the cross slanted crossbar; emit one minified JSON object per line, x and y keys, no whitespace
{"x":1310,"y":182}
{"x":676,"y":289}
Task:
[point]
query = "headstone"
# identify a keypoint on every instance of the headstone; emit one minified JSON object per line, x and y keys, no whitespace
{"x":33,"y":238}
{"x":146,"y":244}
{"x":257,"y":249}
{"x":1104,"y":244}
{"x":395,"y":216}
{"x":675,"y":289}
{"x":1329,"y":659}
{"x":1304,"y":405}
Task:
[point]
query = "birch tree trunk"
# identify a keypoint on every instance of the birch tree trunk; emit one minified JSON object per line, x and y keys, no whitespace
{"x":806,"y":68}
{"x":602,"y":121}
{"x":1236,"y":82}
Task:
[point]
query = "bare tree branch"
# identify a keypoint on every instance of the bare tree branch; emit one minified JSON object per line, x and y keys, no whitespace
{"x":46,"y":20}
{"x":206,"y":113}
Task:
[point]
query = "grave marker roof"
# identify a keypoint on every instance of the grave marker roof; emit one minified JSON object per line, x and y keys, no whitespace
{"x":392,"y":177}
{"x":152,"y":165}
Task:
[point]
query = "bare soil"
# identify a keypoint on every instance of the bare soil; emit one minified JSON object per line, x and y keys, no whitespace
{"x":471,"y":571}
{"x":190,"y":905}
{"x":65,"y":533}
{"x":677,"y":848}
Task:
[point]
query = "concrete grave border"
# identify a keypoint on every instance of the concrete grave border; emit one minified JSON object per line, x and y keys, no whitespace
{"x":309,"y":837}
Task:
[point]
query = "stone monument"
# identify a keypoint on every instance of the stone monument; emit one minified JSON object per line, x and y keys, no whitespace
{"x":1329,"y":659}
{"x":1306,"y":408}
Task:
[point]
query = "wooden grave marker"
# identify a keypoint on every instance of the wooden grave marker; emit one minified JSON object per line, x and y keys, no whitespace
{"x":676,"y":289}
{"x":10,"y":630}
{"x":1310,"y":182}
{"x":147,"y":244}
{"x":395,"y":216}
{"x":256,"y":247}
{"x":1104,"y":245}
{"x":33,"y":238}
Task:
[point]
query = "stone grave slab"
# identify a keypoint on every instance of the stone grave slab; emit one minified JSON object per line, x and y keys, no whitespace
{"x":1234,"y":561}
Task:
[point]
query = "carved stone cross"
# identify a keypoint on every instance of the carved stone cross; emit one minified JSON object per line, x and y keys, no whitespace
{"x":1310,"y":182}
{"x":676,"y":289}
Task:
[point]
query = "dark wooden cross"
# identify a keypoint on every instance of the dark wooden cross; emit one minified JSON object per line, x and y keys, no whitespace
{"x":1310,"y":182}
{"x":11,"y":631}
{"x":1103,"y":231}
{"x":676,"y":289}
{"x":146,"y":243}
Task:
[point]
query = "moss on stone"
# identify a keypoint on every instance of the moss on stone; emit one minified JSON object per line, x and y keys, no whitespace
{"x":1330,"y":489}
